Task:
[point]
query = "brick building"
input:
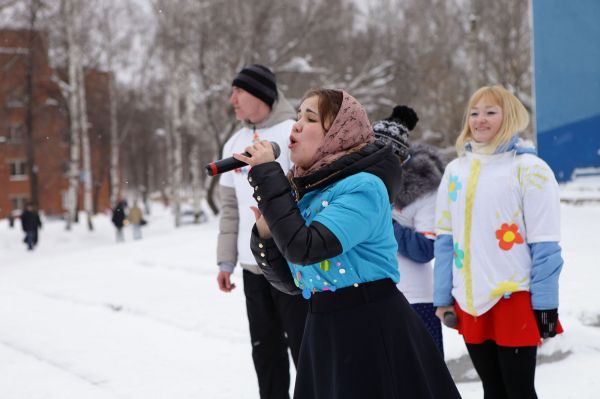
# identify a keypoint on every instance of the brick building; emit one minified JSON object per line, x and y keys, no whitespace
{"x":50,"y":128}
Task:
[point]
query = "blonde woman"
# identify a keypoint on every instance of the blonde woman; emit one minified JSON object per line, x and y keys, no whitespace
{"x":497,"y":254}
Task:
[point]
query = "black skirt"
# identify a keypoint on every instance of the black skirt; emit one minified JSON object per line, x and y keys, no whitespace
{"x":367,"y":342}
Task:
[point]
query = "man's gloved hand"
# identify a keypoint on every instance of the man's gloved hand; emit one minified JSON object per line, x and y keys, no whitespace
{"x":547,"y":321}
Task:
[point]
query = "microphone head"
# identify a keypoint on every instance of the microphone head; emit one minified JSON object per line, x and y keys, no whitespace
{"x":450,"y":319}
{"x":276,"y":149}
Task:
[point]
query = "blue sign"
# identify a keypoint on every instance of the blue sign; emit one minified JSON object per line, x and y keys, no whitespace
{"x":566,"y":43}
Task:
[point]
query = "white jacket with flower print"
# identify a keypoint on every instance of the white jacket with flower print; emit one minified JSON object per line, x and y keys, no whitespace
{"x":493,"y":206}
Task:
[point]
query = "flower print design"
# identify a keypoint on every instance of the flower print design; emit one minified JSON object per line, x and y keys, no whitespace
{"x":453,"y":186}
{"x":297,"y":277}
{"x":244,"y":170}
{"x":506,"y":288}
{"x":535,"y":176}
{"x":330,"y":288}
{"x":459,"y":255}
{"x":445,"y":222}
{"x":306,"y":214}
{"x":508,"y":235}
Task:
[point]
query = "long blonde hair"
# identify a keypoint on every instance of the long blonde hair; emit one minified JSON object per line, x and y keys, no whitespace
{"x":515,"y":117}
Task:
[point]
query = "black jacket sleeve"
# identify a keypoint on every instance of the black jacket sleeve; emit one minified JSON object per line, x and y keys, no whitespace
{"x":298,"y":243}
{"x":273,"y":265}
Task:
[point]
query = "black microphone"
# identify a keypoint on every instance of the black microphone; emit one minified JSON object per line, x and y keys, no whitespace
{"x":227,"y":164}
{"x":450,"y":319}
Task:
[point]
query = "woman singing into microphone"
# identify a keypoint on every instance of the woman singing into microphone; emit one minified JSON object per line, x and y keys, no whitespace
{"x":326,"y":233}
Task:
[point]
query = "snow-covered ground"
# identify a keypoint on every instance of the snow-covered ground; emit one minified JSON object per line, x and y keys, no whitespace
{"x":584,"y":189}
{"x":85,"y":317}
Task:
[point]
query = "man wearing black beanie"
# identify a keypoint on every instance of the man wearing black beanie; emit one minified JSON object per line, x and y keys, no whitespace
{"x":276,"y":319}
{"x":259,"y":81}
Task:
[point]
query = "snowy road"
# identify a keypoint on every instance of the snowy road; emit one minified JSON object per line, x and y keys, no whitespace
{"x":83,"y":317}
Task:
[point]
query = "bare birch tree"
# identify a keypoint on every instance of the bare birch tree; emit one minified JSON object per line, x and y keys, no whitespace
{"x":194,"y":133}
{"x":174,"y":123}
{"x":86,"y":152}
{"x":415,"y":52}
{"x":32,"y":169}
{"x":109,"y":49}
{"x":73,"y":60}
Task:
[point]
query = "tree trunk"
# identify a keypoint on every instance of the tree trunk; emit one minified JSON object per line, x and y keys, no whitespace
{"x":115,"y":182}
{"x":32,"y":168}
{"x":210,"y":196}
{"x":173,"y":141}
{"x":72,"y":51}
{"x":192,"y":130}
{"x":86,"y":150}
{"x":211,"y":192}
{"x":177,"y":151}
{"x":473,"y":50}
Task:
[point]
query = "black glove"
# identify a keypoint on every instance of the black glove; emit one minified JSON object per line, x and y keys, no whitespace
{"x":546,"y":321}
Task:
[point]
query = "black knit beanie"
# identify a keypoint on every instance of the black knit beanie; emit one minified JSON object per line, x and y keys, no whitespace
{"x":395,"y":128}
{"x":259,"y":81}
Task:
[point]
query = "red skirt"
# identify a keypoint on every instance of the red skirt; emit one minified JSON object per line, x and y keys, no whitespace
{"x":511,"y":322}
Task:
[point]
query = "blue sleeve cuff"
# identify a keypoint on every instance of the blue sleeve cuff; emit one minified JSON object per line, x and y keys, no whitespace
{"x":226,"y":267}
{"x":546,"y":266}
{"x":413,"y":245}
{"x":442,"y":271}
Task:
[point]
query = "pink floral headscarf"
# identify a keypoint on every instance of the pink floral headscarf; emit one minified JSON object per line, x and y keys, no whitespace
{"x":349,"y":129}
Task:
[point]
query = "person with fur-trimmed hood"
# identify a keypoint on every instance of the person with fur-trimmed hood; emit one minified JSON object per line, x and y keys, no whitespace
{"x":414,"y":213}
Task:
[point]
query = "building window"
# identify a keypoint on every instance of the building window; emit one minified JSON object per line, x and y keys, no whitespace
{"x":18,"y":170}
{"x":18,"y":203}
{"x":16,"y":134}
{"x":65,"y":168}
{"x":65,"y":135}
{"x":15,"y":100}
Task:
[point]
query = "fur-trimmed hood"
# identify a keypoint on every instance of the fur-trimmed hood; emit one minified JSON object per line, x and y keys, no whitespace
{"x":421,"y":174}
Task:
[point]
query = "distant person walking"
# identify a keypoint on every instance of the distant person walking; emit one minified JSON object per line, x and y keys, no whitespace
{"x":136,"y":219}
{"x":118,"y":219}
{"x":31,"y":223}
